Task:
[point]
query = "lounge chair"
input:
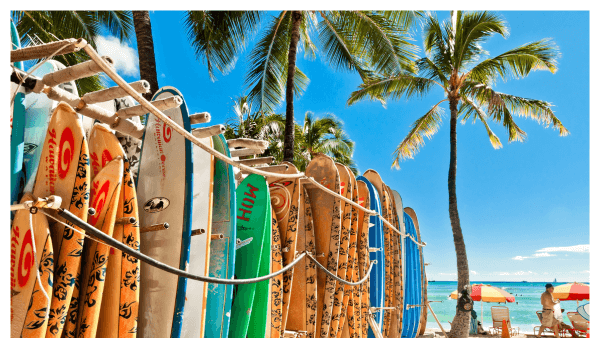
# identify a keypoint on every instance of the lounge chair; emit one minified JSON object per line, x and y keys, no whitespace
{"x":579,"y":323}
{"x":536,"y":330}
{"x":500,"y":313}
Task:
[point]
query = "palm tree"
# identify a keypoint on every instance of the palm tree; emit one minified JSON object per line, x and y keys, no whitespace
{"x":145,"y":45}
{"x":454,"y":63}
{"x":46,"y":26}
{"x":361,"y":41}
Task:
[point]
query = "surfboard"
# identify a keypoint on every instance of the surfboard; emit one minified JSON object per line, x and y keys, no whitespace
{"x":191,"y":302}
{"x":377,"y":279}
{"x":38,"y":108}
{"x":274,"y":327}
{"x":352,"y":326}
{"x":396,"y":325}
{"x":222,"y":251}
{"x":104,"y":196}
{"x":285,"y":198}
{"x":130,"y":144}
{"x":303,"y":301}
{"x":253,"y":220}
{"x":363,"y":255}
{"x":403,"y":272}
{"x":164,"y":193}
{"x":65,"y":173}
{"x":374,"y":177}
{"x":421,"y":281}
{"x":17,"y":123}
{"x":412,"y":290}
{"x":327,"y":217}
{"x":29,"y":301}
{"x":342,"y":294}
{"x":120,"y":299}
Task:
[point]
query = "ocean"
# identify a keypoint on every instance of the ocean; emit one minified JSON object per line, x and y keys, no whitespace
{"x":522,"y":311}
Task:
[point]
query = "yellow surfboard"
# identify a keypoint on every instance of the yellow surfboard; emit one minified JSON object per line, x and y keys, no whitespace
{"x":29,"y":304}
{"x":120,"y":299}
{"x":396,"y":325}
{"x":363,"y":254}
{"x":106,"y":191}
{"x":276,"y":290}
{"x":64,"y":171}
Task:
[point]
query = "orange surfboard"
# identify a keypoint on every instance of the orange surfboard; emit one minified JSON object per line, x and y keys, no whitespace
{"x":396,"y":326}
{"x":303,"y":301}
{"x":341,"y":296}
{"x":363,"y":255}
{"x":106,"y":191}
{"x":352,"y":323}
{"x":375,"y":179}
{"x":276,"y":290}
{"x":64,"y":171}
{"x":120,"y":299}
{"x":285,"y":198}
{"x":327,"y":217}
{"x":29,"y":305}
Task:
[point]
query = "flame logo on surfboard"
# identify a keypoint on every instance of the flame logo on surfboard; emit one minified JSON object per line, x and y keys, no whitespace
{"x":26,"y":260}
{"x":100,"y":196}
{"x":280,"y":198}
{"x":166,"y":133}
{"x":156,"y":204}
{"x":66,"y":149}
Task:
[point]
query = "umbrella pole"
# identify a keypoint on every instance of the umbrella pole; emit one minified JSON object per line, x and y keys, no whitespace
{"x":482,"y":312}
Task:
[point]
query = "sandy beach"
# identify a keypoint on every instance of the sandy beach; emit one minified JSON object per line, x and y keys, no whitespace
{"x":435,"y":332}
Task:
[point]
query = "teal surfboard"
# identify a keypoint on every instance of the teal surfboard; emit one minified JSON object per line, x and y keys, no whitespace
{"x":222,"y":251}
{"x":253,"y":221}
{"x":17,"y":176}
{"x":412,"y":291}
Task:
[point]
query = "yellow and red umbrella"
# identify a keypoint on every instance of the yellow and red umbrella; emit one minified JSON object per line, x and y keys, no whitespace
{"x":487,"y":293}
{"x":572,"y":291}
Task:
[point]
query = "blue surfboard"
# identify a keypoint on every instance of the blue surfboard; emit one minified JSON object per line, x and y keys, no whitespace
{"x":377,"y":284}
{"x":17,"y":176}
{"x":412,"y":316}
{"x":222,"y":251}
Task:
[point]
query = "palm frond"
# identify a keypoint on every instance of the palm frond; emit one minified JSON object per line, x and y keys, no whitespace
{"x":427,"y":125}
{"x":436,"y":42}
{"x":268,"y":64}
{"x":472,"y":29}
{"x":482,"y":116}
{"x":219,"y":36}
{"x":308,"y":24}
{"x":431,"y":71}
{"x":518,"y":62}
{"x":395,"y":87}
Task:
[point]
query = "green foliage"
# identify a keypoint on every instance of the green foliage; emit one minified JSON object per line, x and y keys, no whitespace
{"x":317,"y":135}
{"x":454,"y":62}
{"x":37,"y":27}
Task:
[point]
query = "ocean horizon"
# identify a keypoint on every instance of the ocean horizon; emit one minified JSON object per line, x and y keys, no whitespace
{"x":522,"y":311}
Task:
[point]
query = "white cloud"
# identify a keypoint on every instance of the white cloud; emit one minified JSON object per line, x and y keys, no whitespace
{"x":574,"y":248}
{"x":162,"y":75}
{"x":125,"y":58}
{"x":448,"y":274}
{"x":519,"y":258}
{"x":474,"y":272}
{"x":503,"y":273}
{"x":542,"y":254}
{"x":586,"y":271}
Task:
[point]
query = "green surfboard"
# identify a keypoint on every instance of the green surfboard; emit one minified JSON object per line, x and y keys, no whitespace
{"x":253,"y":226}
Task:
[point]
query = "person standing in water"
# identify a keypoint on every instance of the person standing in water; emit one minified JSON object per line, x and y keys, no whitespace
{"x":548,"y":319}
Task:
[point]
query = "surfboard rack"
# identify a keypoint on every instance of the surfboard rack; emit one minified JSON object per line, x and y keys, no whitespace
{"x":239,"y":243}
{"x":245,"y":152}
{"x":294,"y":334}
{"x":208,"y":131}
{"x":76,"y":72}
{"x":247,"y":143}
{"x":164,"y":104}
{"x":50,"y":202}
{"x":256,"y":161}
{"x":279,"y":168}
{"x":125,"y":221}
{"x":378,"y":309}
{"x":217,"y":236}
{"x":155,"y":227}
{"x":374,"y":327}
{"x":197,"y":232}
{"x":61,"y":47}
{"x":116,"y":92}
{"x":199,"y":118}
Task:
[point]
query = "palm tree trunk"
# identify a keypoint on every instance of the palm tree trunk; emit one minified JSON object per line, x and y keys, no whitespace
{"x":288,"y":141}
{"x":460,"y":324}
{"x":145,"y":44}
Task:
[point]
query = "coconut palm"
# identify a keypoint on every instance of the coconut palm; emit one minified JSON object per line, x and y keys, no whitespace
{"x":145,"y":46}
{"x":361,"y":41}
{"x":37,"y":27}
{"x":454,"y":63}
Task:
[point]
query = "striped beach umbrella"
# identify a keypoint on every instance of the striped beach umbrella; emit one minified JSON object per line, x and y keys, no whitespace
{"x":572,"y":291}
{"x":487,"y":293}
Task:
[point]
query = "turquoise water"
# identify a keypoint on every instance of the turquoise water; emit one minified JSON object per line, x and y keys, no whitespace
{"x":522,"y":312}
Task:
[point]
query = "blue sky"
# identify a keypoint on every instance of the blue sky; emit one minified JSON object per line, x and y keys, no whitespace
{"x":524,"y":208}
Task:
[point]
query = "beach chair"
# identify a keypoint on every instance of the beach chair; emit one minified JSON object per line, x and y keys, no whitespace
{"x":578,"y":322}
{"x":500,"y":313}
{"x":536,"y":330}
